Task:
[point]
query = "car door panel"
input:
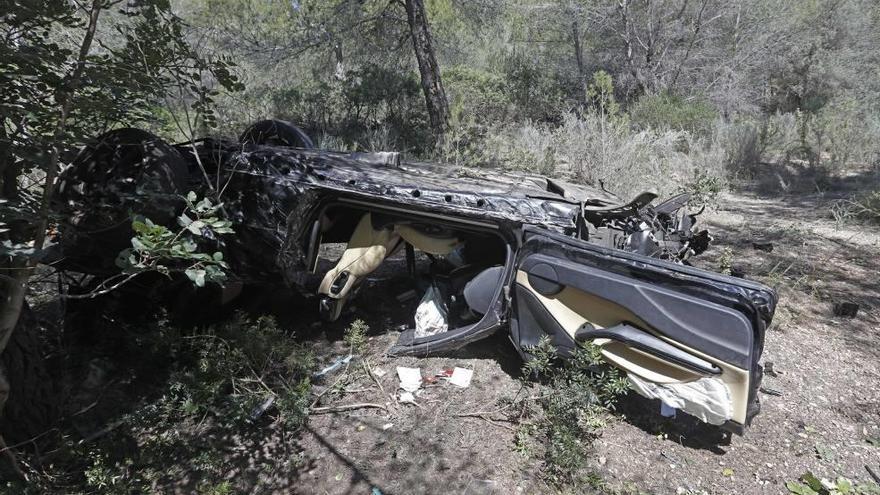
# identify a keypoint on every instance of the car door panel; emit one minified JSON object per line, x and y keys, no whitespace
{"x":665,"y":323}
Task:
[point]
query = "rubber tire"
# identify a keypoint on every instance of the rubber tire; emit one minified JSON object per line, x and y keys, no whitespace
{"x":123,"y":171}
{"x":276,"y":133}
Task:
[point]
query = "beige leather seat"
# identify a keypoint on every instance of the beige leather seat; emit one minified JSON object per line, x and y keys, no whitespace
{"x":366,"y":250}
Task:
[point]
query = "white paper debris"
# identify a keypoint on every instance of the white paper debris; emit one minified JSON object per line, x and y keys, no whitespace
{"x":410,"y":378}
{"x":387,"y":426}
{"x":430,"y":315}
{"x":407,"y":398}
{"x":461,"y":377}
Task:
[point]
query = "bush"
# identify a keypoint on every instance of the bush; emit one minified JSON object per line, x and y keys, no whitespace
{"x":583,"y":389}
{"x":603,"y":151}
{"x":668,"y":112}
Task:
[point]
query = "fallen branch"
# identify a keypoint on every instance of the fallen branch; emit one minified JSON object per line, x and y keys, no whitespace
{"x":482,"y":415}
{"x":346,"y":407}
{"x":376,"y":380}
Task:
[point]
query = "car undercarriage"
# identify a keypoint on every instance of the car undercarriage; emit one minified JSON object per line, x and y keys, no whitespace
{"x":541,"y":257}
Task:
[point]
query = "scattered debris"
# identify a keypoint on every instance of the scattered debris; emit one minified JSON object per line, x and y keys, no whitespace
{"x":767,"y":247}
{"x":407,"y":398}
{"x":846,"y":309}
{"x":379,"y":372}
{"x":333,"y":367}
{"x":261,"y":408}
{"x":771,"y":391}
{"x":410,"y":378}
{"x":431,"y":316}
{"x":346,"y":407}
{"x":666,"y":410}
{"x":387,"y":426}
{"x":461,"y":377}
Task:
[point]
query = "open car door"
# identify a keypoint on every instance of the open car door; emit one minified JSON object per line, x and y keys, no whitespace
{"x":689,"y":337}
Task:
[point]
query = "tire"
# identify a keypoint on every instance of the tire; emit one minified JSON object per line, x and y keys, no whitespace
{"x":276,"y":133}
{"x":123,"y":172}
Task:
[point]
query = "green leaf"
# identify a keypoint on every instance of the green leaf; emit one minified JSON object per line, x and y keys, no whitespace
{"x":197,"y":276}
{"x":184,"y":220}
{"x":812,"y":481}
{"x":191,"y":197}
{"x":799,"y":488}
{"x":218,"y":256}
{"x":196,"y":227}
{"x":844,"y":486}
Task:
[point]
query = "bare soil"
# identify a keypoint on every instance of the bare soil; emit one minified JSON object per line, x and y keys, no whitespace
{"x":820,"y":405}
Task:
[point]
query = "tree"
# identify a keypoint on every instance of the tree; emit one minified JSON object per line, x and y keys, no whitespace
{"x":57,"y":93}
{"x":432,"y":85}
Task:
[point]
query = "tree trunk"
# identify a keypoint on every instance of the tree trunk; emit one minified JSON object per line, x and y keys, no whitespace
{"x":435,"y":97}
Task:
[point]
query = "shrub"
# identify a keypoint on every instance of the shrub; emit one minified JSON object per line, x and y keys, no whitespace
{"x":583,"y":389}
{"x":669,"y":112}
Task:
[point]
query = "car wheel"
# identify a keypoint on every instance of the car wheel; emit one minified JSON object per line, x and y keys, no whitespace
{"x":124,"y":172}
{"x":277,"y":133}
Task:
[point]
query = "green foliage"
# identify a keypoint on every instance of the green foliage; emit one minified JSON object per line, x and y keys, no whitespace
{"x":703,"y":188}
{"x":809,"y":484}
{"x":725,"y":261}
{"x":581,"y":390}
{"x":157,"y":248}
{"x":665,"y":111}
{"x":600,"y":94}
{"x":356,"y":336}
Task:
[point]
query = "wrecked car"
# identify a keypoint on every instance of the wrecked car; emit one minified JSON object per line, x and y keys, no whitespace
{"x":538,"y":256}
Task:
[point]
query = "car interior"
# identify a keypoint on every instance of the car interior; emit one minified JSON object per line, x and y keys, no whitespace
{"x":457,"y":280}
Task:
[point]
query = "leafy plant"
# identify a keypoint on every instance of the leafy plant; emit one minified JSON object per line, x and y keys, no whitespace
{"x":158,"y":248}
{"x":582,"y":388}
{"x":809,"y":484}
{"x":356,"y":336}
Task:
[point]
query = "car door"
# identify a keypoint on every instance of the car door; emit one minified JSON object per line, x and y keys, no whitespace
{"x":689,"y":337}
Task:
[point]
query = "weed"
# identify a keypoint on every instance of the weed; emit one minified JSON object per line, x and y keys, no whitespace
{"x":703,"y":188}
{"x":356,"y":336}
{"x":809,"y":484}
{"x":583,"y":389}
{"x":725,"y":261}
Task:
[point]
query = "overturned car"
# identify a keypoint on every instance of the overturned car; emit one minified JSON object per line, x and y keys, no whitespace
{"x":535,"y":255}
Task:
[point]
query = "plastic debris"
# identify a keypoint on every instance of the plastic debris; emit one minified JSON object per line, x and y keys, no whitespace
{"x":333,"y":367}
{"x":461,"y":377}
{"x":431,"y":314}
{"x":707,"y":398}
{"x":666,"y":410}
{"x":387,"y":426}
{"x":261,"y":408}
{"x":410,"y":378}
{"x":407,"y":398}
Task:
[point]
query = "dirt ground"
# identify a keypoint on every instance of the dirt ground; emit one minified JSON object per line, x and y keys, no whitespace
{"x":820,"y":404}
{"x":820,"y":401}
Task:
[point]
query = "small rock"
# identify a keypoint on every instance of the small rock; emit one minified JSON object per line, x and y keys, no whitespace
{"x":846,"y":309}
{"x":763,"y":246}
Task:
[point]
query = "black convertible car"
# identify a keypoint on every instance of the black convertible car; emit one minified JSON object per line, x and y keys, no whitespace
{"x":538,"y":256}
